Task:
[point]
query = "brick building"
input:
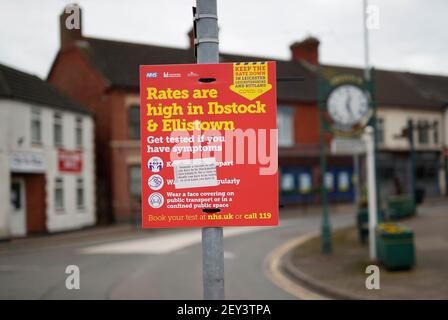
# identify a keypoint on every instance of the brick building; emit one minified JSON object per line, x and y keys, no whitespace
{"x":104,"y":75}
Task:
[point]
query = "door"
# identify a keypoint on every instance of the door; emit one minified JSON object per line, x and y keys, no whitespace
{"x":18,"y":207}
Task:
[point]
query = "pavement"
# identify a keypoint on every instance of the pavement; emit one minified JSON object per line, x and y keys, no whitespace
{"x":342,"y":274}
{"x":121,"y":262}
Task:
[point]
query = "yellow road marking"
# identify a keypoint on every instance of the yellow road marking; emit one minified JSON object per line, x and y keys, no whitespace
{"x":276,"y":275}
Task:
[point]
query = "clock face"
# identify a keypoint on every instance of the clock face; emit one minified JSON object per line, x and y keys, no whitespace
{"x":347,"y":105}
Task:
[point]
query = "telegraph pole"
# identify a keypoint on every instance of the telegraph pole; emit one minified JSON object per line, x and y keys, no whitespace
{"x":373,"y":181}
{"x":356,"y":166}
{"x":207,"y":51}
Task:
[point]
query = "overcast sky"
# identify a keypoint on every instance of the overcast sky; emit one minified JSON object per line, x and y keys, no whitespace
{"x":413,"y":34}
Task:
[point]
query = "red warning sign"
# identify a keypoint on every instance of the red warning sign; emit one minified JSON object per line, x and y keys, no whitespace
{"x":209,"y":145}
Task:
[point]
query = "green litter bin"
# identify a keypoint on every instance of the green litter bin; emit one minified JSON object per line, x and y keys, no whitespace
{"x":401,"y":207}
{"x":395,"y":246}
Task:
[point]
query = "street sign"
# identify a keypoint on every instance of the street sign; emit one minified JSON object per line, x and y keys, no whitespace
{"x":347,"y":146}
{"x":209,"y":145}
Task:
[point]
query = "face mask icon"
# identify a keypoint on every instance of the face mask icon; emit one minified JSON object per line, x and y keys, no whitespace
{"x":155,"y":182}
{"x":155,"y":200}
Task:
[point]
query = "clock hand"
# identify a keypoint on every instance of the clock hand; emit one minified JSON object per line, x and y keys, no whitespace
{"x":348,"y":106}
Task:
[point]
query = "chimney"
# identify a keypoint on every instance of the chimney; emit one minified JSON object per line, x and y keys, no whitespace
{"x":70,"y":24}
{"x":191,"y":38}
{"x":306,"y":50}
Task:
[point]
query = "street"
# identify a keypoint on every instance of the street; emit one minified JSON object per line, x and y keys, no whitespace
{"x":160,"y":264}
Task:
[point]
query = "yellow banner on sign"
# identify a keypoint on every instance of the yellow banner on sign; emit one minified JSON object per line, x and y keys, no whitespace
{"x":250,"y":79}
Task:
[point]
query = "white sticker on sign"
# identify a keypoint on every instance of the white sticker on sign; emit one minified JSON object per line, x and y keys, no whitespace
{"x":194,"y":173}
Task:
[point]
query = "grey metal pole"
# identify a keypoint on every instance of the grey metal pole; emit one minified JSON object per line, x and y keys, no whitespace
{"x":212,"y":238}
{"x":370,"y":84}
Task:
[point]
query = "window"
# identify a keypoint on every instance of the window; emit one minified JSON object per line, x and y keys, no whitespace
{"x":36,"y":126}
{"x":57,"y":129}
{"x":435,"y":136}
{"x":134,"y":122}
{"x":423,"y":132}
{"x":59,"y":193}
{"x":285,"y":125}
{"x":80,"y":193}
{"x":380,"y":130}
{"x":343,"y":181}
{"x":431,"y":172}
{"x":305,"y":182}
{"x":386,"y":171}
{"x":329,"y":181}
{"x":135,"y":181}
{"x":287,"y":182}
{"x":16,"y":196}
{"x":420,"y":172}
{"x":78,"y":132}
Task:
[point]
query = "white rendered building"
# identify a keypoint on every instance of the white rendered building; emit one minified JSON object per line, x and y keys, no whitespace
{"x":47,"y":174}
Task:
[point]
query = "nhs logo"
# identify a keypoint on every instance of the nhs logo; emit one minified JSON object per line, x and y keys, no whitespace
{"x":151,"y":74}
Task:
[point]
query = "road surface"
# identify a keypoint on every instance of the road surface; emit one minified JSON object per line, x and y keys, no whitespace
{"x":162,"y":264}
